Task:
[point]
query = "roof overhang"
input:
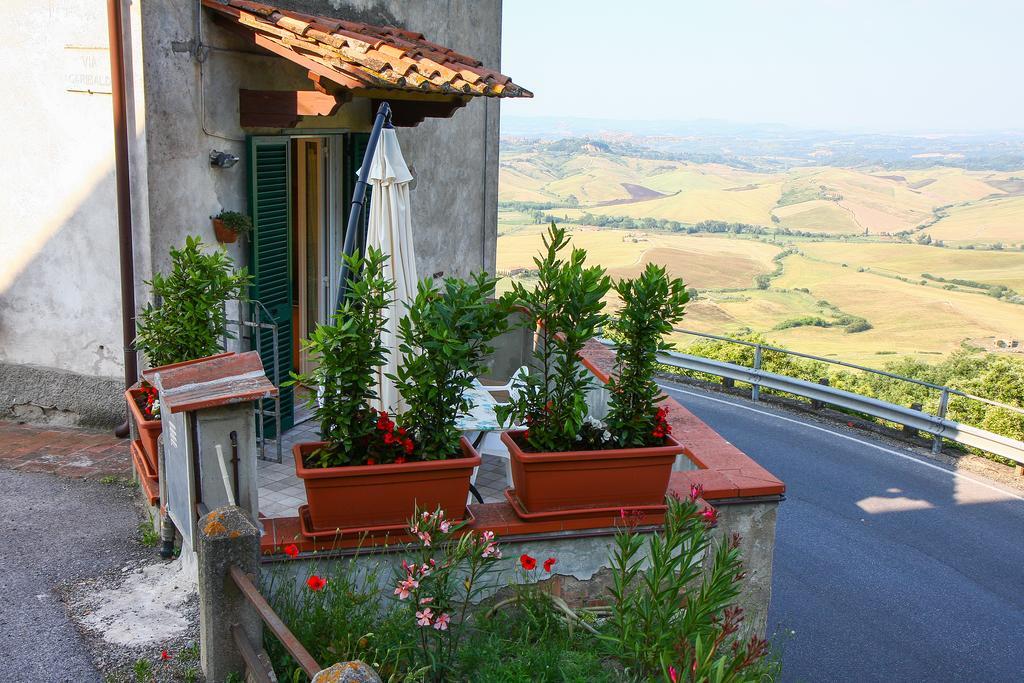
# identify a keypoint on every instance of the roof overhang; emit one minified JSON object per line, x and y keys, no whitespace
{"x":344,"y":59}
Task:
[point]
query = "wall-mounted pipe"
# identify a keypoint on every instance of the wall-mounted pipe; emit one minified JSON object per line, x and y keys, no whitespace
{"x":115,"y":32}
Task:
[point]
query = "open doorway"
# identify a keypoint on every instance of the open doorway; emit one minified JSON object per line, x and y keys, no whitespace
{"x":311,"y":236}
{"x":299,"y":192}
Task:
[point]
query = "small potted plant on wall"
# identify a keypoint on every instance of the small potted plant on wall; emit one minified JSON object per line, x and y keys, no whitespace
{"x":185,"y":322}
{"x":228,"y":225}
{"x":564,"y":460}
{"x":371,"y":470}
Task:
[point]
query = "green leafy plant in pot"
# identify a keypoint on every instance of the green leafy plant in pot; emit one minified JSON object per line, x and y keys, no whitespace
{"x":373,"y":470}
{"x":564,"y":459}
{"x":228,"y":225}
{"x":187,"y":321}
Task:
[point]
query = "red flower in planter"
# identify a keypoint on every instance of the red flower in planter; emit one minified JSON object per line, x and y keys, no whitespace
{"x":408,"y":446}
{"x":291,"y":551}
{"x":549,"y":563}
{"x":389,"y":438}
{"x":528,"y":563}
{"x":316,"y":583}
{"x":399,"y":460}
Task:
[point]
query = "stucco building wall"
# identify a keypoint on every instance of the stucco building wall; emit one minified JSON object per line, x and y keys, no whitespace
{"x":60,"y":319}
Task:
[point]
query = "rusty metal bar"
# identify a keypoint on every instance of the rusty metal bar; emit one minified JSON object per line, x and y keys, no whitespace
{"x":256,"y":668}
{"x":273,"y":622}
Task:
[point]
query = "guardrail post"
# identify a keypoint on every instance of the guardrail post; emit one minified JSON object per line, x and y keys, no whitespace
{"x":755,"y":389}
{"x":226,"y":537}
{"x":943,"y":407}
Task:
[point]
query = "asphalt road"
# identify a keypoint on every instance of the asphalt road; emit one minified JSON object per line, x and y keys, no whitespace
{"x":887,"y":566}
{"x":54,"y":530}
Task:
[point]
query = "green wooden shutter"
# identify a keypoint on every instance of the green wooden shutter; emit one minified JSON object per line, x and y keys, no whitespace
{"x":270,"y":260}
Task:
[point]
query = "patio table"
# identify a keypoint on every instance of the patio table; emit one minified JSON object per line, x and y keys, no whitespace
{"x":481,"y":419}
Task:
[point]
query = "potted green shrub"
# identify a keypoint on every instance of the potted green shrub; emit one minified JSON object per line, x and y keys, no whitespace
{"x":187,"y":323}
{"x":228,"y":225}
{"x":372,"y":470}
{"x":564,"y":459}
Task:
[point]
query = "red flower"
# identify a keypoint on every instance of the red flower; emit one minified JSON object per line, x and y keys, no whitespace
{"x":384,"y":423}
{"x":291,"y":550}
{"x":710,"y":515}
{"x":389,"y":438}
{"x":399,"y":460}
{"x":401,"y":431}
{"x":408,"y":445}
{"x":849,"y":424}
{"x":371,"y":461}
{"x":316,"y":583}
{"x":529,"y":563}
{"x":696,"y":491}
{"x":165,"y":655}
{"x":549,"y":563}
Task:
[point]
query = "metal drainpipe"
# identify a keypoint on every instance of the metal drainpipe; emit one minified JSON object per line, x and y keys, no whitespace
{"x":124,"y":200}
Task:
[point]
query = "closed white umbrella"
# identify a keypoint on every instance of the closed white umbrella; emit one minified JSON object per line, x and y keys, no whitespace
{"x":390,"y":230}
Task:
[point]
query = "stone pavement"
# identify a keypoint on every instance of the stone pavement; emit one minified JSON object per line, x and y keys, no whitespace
{"x":65,"y":451}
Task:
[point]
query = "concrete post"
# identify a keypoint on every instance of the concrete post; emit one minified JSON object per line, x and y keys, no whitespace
{"x":226,"y":537}
{"x":755,"y":523}
{"x":908,"y":430}
{"x":818,"y":405}
{"x":348,"y":672}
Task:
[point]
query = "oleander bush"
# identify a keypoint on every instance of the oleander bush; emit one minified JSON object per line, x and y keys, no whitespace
{"x":671,"y":618}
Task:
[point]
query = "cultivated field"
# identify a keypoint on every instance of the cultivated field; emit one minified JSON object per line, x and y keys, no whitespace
{"x":702,"y":261}
{"x":855,"y":232}
{"x":996,"y":219}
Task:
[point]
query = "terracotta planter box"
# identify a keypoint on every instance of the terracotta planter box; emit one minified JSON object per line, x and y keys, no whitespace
{"x":364,"y":496}
{"x":225,"y":235}
{"x":577,"y":480}
{"x":149,"y":430}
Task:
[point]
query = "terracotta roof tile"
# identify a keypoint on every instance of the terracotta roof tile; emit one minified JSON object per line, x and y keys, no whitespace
{"x":386,"y":57}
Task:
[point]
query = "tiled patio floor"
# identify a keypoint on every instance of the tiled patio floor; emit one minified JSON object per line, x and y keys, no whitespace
{"x":281,"y":492}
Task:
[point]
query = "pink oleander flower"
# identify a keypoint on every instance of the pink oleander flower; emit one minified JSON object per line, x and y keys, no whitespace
{"x":491,"y":550}
{"x":441,"y":624}
{"x":424,"y":617}
{"x":696,"y":491}
{"x":488,"y":536}
{"x":710,"y":515}
{"x":406,"y":587}
{"x":673,"y":675}
{"x":445,"y":526}
{"x":426,"y":601}
{"x":424,"y":537}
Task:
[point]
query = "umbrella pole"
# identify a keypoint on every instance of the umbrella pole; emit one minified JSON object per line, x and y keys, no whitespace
{"x":358,"y":197}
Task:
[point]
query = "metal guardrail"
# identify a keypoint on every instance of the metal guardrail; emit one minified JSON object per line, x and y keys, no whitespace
{"x":937,"y":425}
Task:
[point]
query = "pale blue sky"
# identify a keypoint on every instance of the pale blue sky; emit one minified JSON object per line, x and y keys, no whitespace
{"x":896,"y":65}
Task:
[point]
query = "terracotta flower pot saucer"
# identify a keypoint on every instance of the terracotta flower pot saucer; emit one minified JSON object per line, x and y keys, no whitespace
{"x":653,"y":513}
{"x":307,"y":529}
